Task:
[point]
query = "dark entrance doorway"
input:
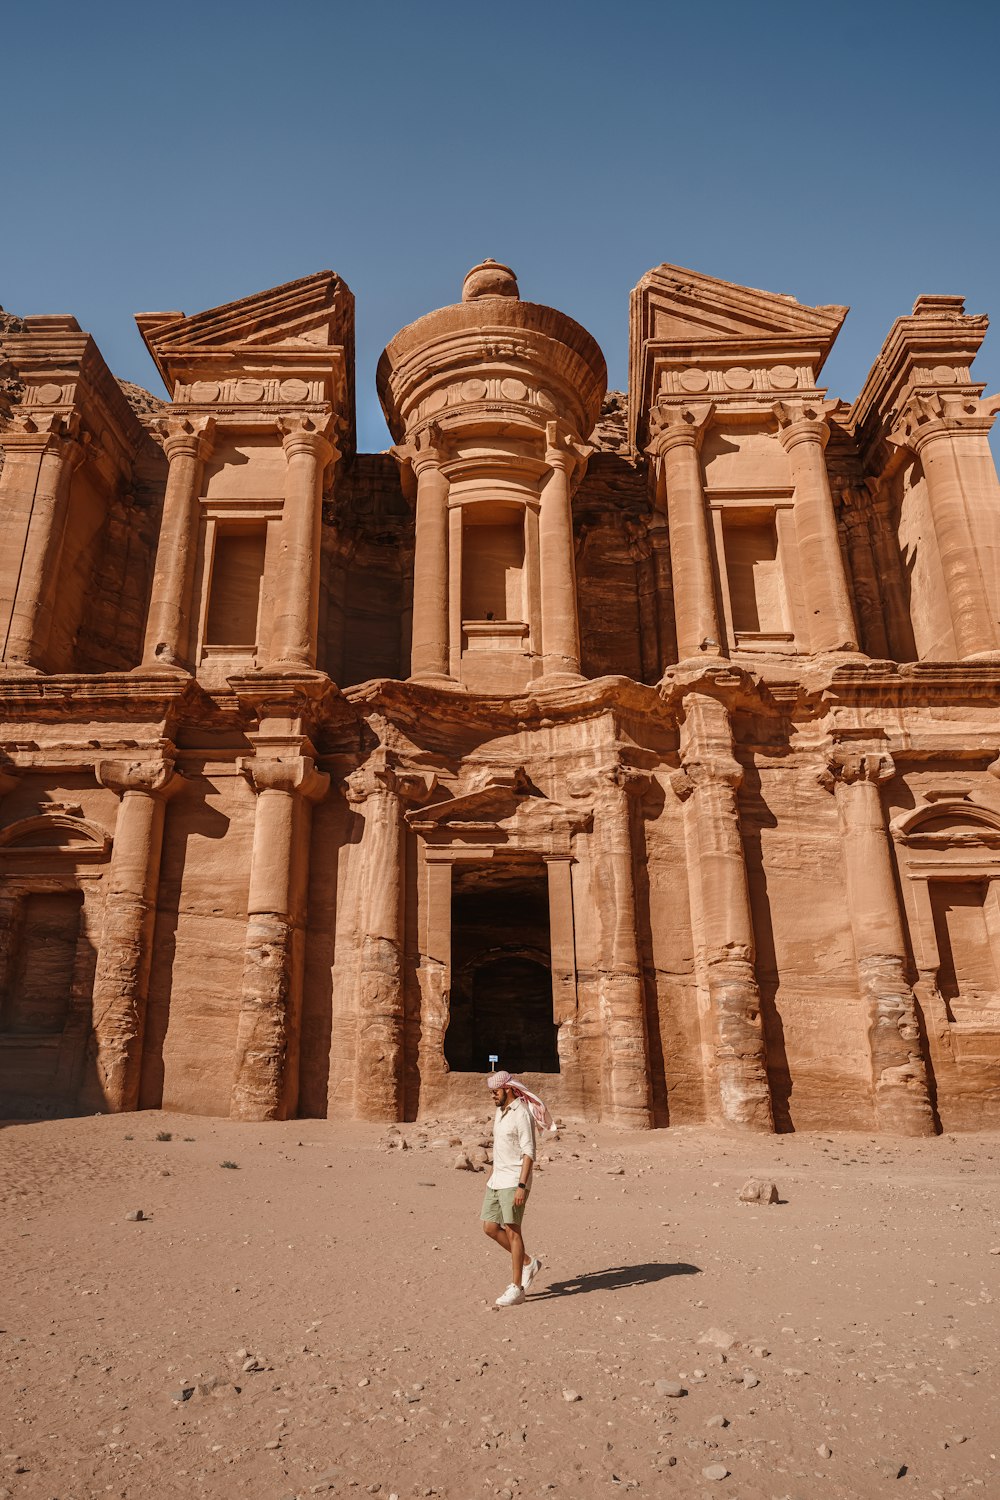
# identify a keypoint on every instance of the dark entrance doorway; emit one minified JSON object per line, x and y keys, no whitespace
{"x":501,"y":969}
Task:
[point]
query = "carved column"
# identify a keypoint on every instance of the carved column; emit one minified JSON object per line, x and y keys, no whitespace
{"x":625,"y":1082}
{"x":429,"y":651}
{"x":949,"y":436}
{"x":804,"y":433}
{"x":121,"y":981}
{"x":557,"y":559}
{"x":296,"y":606}
{"x":720,"y":902}
{"x":899,"y":1074}
{"x":53,"y":455}
{"x":187,"y":445}
{"x":378,"y":1079}
{"x":677,"y":434}
{"x":265,"y":1085}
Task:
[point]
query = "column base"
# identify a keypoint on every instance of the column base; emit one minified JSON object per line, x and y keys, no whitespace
{"x":436,"y":679}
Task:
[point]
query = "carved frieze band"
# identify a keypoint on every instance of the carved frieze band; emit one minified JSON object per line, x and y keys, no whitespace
{"x":245,"y":391}
{"x":492,"y":391}
{"x":737,"y":380}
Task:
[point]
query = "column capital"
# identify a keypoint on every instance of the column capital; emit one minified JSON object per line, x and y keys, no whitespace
{"x":427,"y":448}
{"x":694,"y":774}
{"x":933,"y":414}
{"x":678,"y":427}
{"x":155,"y":776}
{"x":378,"y":777}
{"x":849,"y":765}
{"x":564,"y":450}
{"x":54,"y":432}
{"x":303,"y":434}
{"x":185,"y":437}
{"x":297,"y":776}
{"x":802,"y":422}
{"x":613,"y":776}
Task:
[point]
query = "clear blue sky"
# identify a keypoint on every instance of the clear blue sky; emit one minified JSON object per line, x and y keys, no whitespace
{"x":184,"y":155}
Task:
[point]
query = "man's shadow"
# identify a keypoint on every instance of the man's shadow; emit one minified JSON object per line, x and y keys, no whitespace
{"x":617,"y":1278}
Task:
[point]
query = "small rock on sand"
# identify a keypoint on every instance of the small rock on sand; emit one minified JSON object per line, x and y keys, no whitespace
{"x":758,"y":1190}
{"x":670,"y":1388}
{"x":572,"y":1396}
{"x":135,"y":1216}
{"x":716,"y":1471}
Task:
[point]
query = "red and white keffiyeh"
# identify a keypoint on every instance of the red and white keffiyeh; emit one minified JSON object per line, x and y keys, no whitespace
{"x":504,"y":1080}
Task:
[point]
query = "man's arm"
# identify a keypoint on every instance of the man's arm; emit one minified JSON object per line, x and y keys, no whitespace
{"x":527,"y":1143}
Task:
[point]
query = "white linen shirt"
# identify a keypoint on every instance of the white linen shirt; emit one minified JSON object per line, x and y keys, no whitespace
{"x":513,"y":1139}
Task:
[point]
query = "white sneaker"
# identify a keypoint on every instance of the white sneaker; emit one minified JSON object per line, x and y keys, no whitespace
{"x":530,"y":1271}
{"x":511,"y":1297}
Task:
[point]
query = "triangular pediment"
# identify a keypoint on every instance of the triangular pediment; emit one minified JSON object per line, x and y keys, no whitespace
{"x":677,"y":306}
{"x":313,"y":313}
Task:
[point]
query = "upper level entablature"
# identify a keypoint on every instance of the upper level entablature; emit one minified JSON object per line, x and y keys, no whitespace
{"x":492,"y":370}
{"x":695,"y":338}
{"x":283,"y":354}
{"x":927,"y":357}
{"x":69,"y":393}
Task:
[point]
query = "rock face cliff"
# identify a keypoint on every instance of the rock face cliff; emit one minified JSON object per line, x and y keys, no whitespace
{"x":646,"y":740}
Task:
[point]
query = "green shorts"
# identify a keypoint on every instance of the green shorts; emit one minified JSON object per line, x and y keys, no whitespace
{"x":499,"y":1206}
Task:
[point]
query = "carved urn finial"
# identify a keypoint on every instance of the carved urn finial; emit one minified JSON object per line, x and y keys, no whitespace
{"x":489,"y":279}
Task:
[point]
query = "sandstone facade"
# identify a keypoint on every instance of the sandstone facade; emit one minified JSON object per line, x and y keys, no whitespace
{"x":647,"y":741}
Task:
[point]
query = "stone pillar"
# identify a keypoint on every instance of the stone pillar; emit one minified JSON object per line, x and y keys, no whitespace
{"x":677,"y":434}
{"x":804,"y":433}
{"x":53,"y":456}
{"x":121,"y":980}
{"x":899,"y":1074}
{"x":625,"y":1083}
{"x":429,"y":653}
{"x":949,"y":436}
{"x":295,"y":627}
{"x":557,"y":561}
{"x":187,"y":445}
{"x":265,"y":1085}
{"x":378,"y":1085}
{"x":720,"y":903}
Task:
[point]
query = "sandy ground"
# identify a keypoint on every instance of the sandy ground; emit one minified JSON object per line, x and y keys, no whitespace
{"x":862,"y":1310}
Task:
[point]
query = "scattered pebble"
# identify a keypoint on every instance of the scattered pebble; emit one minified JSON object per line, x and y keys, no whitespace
{"x":572,"y":1396}
{"x":717,"y":1421}
{"x":716,"y":1471}
{"x":669,"y":1388}
{"x":824,"y":1450}
{"x":135,"y":1216}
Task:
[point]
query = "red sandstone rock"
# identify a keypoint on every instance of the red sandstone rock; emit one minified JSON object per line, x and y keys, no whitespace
{"x":647,"y":741}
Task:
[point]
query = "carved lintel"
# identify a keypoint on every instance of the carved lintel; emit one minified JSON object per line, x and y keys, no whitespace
{"x":156,"y":777}
{"x":296,"y":775}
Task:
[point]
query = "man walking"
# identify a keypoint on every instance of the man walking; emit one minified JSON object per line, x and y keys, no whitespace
{"x":517,"y":1110}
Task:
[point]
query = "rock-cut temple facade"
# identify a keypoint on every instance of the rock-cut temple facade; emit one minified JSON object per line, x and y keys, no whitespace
{"x":648,"y":742}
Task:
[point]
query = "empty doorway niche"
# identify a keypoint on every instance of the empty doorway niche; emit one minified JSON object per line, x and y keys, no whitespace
{"x":39,"y":993}
{"x":234,"y":594}
{"x":501,"y":969}
{"x":756,"y":589}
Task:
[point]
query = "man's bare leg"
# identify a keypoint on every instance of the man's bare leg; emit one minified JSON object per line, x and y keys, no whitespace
{"x":502,"y":1235}
{"x":517,"y":1253}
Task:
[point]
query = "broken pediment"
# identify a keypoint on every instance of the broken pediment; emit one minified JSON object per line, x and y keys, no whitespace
{"x":55,"y":833}
{"x":684,"y":325}
{"x":506,"y":810}
{"x":291,"y":345}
